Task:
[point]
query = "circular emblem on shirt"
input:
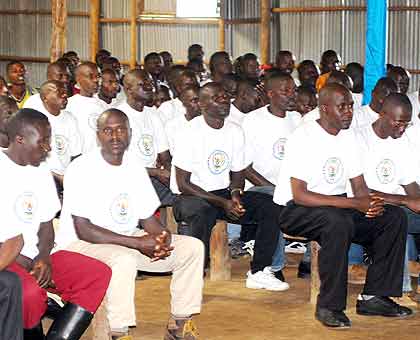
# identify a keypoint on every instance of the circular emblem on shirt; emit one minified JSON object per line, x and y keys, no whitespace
{"x":26,"y":206}
{"x":60,"y":144}
{"x":385,"y":171}
{"x":278,"y":148}
{"x":333,"y":170}
{"x":120,"y":209}
{"x":92,"y":121}
{"x":218,"y":162}
{"x":145,"y":145}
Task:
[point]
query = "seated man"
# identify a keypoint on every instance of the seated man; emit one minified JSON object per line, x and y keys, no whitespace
{"x":321,"y":158}
{"x":209,"y":160}
{"x":7,"y":107}
{"x":32,"y":202}
{"x":108,"y":194}
{"x":109,"y":88}
{"x":306,"y":100}
{"x":11,"y":243}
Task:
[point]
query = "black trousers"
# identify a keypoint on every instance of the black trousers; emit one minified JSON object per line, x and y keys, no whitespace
{"x":11,"y":324}
{"x":335,"y":229}
{"x":201,"y":216}
{"x":166,"y":196}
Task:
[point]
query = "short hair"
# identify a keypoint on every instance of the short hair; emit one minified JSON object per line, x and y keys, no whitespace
{"x":397,"y":99}
{"x":5,"y":103}
{"x":22,"y":119}
{"x":56,"y":64}
{"x":306,"y":90}
{"x":83,"y":65}
{"x":194,"y":47}
{"x":13,"y":62}
{"x":276,"y":77}
{"x":104,"y":115}
{"x":46,"y":86}
{"x":190,"y":88}
{"x":283,"y":53}
{"x":150,"y":56}
{"x":329,"y":90}
{"x":355,"y":72}
{"x":327,"y":55}
{"x":217,"y":56}
{"x":305,"y":63}
{"x":385,"y":86}
{"x":248,"y":57}
{"x":340,"y":78}
{"x":109,"y":71}
{"x":70,"y":53}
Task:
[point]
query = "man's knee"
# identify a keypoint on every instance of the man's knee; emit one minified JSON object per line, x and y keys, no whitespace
{"x":397,"y":217}
{"x":98,"y":272}
{"x":337,"y":224}
{"x":193,"y":207}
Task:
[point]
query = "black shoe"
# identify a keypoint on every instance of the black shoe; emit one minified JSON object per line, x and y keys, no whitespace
{"x":304,"y":270}
{"x":279,"y":275}
{"x":53,"y":309}
{"x":71,"y":324}
{"x":35,"y":333}
{"x":383,"y":306}
{"x":331,"y":318}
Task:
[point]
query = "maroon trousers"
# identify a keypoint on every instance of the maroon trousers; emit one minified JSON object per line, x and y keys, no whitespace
{"x":79,"y":279}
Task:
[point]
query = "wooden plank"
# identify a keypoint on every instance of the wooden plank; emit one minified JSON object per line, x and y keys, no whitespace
{"x":59,"y":27}
{"x":95,"y":7}
{"x":40,"y":12}
{"x":242,"y":21}
{"x":315,"y":282}
{"x":133,"y":34}
{"x":265,"y":31}
{"x":220,"y":257}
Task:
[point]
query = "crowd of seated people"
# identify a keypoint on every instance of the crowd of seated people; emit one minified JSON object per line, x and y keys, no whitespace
{"x":285,"y":148}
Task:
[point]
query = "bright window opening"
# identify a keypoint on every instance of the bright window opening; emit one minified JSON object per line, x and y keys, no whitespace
{"x":198,"y":8}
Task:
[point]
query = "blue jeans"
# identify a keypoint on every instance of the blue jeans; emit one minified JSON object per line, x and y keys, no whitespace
{"x":279,"y":257}
{"x":356,"y":251}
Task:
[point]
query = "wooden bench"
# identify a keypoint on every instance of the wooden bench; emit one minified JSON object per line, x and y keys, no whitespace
{"x":220,"y":257}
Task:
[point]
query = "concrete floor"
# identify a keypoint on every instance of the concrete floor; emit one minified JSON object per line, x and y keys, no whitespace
{"x":232,"y":312}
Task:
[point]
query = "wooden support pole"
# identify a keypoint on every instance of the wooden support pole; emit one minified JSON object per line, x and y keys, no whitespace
{"x":315,"y":282}
{"x":222,"y":38}
{"x":265,"y":31}
{"x":133,"y":34}
{"x":59,"y":25}
{"x":220,"y":257}
{"x":95,"y":8}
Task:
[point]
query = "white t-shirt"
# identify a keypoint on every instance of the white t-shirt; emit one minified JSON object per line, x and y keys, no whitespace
{"x":65,"y":140}
{"x":387,"y":163}
{"x":170,"y":109}
{"x":236,"y":116}
{"x":357,"y":99}
{"x":114,"y":102}
{"x":363,"y":116}
{"x":28,"y":197}
{"x":265,"y":140}
{"x":414,"y":99}
{"x":173,"y":128}
{"x":324,"y":161}
{"x":148,"y":134}
{"x":33,"y":102}
{"x":311,"y":116}
{"x":86,"y":110}
{"x":210,"y":154}
{"x":111,"y":197}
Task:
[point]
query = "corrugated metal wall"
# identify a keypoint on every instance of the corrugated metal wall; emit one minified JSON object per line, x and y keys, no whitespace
{"x":306,"y":34}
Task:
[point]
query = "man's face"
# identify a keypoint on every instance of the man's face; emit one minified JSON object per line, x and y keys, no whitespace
{"x":167,"y":59}
{"x":283,"y":95}
{"x":217,"y":104}
{"x":196,"y":53}
{"x":4,"y":91}
{"x":114,"y":135}
{"x":142,"y":89}
{"x":36,"y":141}
{"x":154,"y":66}
{"x":56,"y":98}
{"x":61,"y":74}
{"x":89,"y":80}
{"x":185,"y":81}
{"x":308,"y":75}
{"x":332,"y":63}
{"x":189,"y":99}
{"x":16,"y":74}
{"x":286,"y":63}
{"x":339,"y":111}
{"x":396,"y":122}
{"x":305,"y":103}
{"x":223,"y":66}
{"x":109,"y":85}
{"x":403,"y":81}
{"x":251,"y":69}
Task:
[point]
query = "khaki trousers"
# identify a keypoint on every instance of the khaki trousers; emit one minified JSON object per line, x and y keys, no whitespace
{"x":185,"y":262}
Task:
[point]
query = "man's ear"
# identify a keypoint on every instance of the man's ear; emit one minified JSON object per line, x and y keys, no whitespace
{"x":19,"y":139}
{"x":323,"y":108}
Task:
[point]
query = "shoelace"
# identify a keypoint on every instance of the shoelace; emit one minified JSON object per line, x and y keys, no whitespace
{"x":190,"y":329}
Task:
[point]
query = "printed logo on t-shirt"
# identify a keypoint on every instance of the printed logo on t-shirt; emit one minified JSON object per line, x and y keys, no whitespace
{"x":60,"y":144}
{"x":278,"y":148}
{"x":93,"y":121}
{"x":120,"y":209}
{"x":218,"y":162}
{"x":145,"y":145}
{"x":333,"y":170}
{"x":385,"y":171}
{"x":26,"y":206}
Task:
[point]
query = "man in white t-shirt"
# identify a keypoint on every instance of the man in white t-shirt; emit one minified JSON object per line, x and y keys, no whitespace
{"x":321,"y":158}
{"x":415,"y":102}
{"x":108,"y":194}
{"x":85,"y":106}
{"x":266,"y":132}
{"x":29,"y":203}
{"x":109,"y":88}
{"x":173,"y":108}
{"x":367,"y":114}
{"x":65,"y":136}
{"x":11,"y":243}
{"x":209,"y":160}
{"x":149,"y":140}
{"x":246,"y":100}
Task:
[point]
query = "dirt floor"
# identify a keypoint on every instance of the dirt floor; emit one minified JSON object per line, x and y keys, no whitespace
{"x":232,"y":312}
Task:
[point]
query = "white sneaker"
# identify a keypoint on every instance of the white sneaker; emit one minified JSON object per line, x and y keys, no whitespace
{"x":295,"y":248}
{"x":265,"y":280}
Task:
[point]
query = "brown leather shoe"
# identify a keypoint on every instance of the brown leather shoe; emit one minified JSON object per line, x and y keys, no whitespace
{"x":357,"y":274}
{"x":181,"y":330}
